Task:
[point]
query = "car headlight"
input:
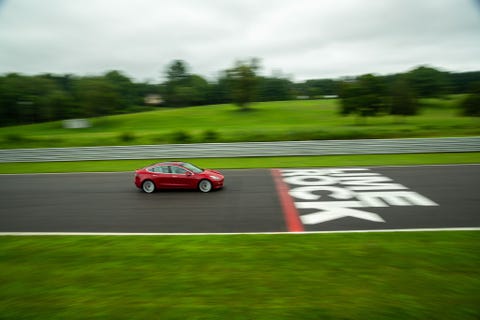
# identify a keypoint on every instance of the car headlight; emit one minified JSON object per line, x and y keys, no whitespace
{"x":215,"y":178}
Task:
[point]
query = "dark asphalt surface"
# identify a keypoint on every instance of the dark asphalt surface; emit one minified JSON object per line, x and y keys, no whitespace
{"x":109,"y":202}
{"x":456,"y":190}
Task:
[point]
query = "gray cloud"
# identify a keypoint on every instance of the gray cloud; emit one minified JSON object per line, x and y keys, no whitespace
{"x":306,"y":38}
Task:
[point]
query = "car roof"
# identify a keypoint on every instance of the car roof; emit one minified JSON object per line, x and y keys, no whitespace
{"x":178,"y":163}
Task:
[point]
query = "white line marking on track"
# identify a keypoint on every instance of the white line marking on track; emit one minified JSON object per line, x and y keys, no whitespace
{"x":227,"y":234}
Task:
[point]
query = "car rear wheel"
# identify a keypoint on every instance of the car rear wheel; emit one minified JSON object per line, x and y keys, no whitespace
{"x":205,"y":186}
{"x":148,"y":186}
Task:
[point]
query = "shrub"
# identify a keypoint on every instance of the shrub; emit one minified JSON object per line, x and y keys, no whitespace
{"x":471,"y":105}
{"x":181,"y":137}
{"x":127,"y":137}
{"x":210,"y":136}
{"x":14,"y":138}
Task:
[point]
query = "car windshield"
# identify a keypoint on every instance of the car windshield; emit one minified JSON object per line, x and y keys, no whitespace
{"x":192,"y":168}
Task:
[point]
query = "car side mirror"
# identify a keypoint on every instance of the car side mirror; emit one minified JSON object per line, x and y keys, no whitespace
{"x":189,"y":174}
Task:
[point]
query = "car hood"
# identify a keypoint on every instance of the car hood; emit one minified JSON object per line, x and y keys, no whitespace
{"x":214,"y":172}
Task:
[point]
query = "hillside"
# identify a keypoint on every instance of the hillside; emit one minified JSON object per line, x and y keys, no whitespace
{"x":268,"y":121}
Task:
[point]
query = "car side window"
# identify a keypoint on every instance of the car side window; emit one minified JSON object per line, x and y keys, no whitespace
{"x":160,"y":169}
{"x":163,"y":169}
{"x":178,"y":170}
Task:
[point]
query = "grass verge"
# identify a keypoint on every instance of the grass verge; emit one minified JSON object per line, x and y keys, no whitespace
{"x":255,"y":162}
{"x":425,"y":275}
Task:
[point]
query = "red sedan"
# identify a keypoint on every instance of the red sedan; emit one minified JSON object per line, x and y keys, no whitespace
{"x":177,"y":175}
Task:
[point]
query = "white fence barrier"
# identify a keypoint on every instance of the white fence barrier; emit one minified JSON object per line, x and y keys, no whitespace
{"x":245,"y":149}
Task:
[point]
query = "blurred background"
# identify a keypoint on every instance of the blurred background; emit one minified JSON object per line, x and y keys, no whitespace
{"x":113,"y":73}
{"x":154,"y":72}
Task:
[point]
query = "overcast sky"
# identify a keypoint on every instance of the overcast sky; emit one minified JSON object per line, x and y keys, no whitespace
{"x":306,"y":39}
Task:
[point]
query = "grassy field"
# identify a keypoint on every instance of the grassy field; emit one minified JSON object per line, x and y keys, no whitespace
{"x":268,"y":121}
{"x":253,"y":162}
{"x":429,"y":275}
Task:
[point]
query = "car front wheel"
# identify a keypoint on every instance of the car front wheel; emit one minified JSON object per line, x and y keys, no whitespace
{"x":205,"y":186}
{"x":148,"y":186}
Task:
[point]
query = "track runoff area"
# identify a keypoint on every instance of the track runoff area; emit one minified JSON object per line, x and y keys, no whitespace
{"x":260,"y":201}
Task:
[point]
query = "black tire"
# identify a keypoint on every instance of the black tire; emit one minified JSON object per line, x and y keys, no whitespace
{"x":148,"y":186}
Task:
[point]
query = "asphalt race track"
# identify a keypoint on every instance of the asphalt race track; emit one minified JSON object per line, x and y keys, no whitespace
{"x":252,"y":201}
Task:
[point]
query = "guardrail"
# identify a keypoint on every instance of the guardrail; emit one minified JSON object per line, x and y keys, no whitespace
{"x":245,"y":149}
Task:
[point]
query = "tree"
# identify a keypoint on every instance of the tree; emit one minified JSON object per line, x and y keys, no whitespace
{"x":463,"y":82}
{"x":143,"y":90}
{"x":123,"y":87}
{"x":61,"y":105}
{"x":96,"y":96}
{"x":199,"y":90}
{"x":177,"y":72}
{"x":470,"y":106}
{"x":349,"y":93}
{"x":39,"y":87}
{"x":22,"y":99}
{"x":274,"y":89}
{"x":428,"y":82}
{"x":321,"y":87}
{"x":183,"y":88}
{"x":219,"y":91}
{"x":364,"y":96}
{"x":177,"y":89}
{"x":10,"y":92}
{"x":242,"y":80}
{"x":403,"y":101}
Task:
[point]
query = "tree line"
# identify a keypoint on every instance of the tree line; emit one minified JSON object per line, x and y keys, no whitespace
{"x":370,"y":95}
{"x":47,"y":97}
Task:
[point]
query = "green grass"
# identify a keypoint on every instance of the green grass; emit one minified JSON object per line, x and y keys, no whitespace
{"x":428,"y":275}
{"x":267,"y":121}
{"x":254,"y":162}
